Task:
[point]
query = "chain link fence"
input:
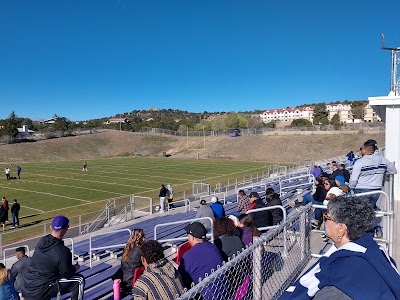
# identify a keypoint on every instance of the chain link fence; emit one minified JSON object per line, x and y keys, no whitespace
{"x":265,"y":269}
{"x":256,"y":131}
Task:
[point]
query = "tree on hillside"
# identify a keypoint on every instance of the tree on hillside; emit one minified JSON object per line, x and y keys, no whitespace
{"x":301,"y":123}
{"x":10,"y":126}
{"x":335,"y":121}
{"x":357,"y":109}
{"x":272,"y":124}
{"x":320,"y":114}
{"x":232,"y":120}
{"x":62,"y":124}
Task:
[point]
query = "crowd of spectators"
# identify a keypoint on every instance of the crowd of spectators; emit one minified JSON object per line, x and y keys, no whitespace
{"x":349,"y":222}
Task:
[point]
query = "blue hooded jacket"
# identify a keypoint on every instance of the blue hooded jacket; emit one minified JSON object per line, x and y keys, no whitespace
{"x":360,"y":269}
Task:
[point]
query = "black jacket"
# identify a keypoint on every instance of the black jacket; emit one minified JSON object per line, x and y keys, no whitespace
{"x":163,"y":192}
{"x":320,"y":193}
{"x":128,"y":267}
{"x":229,"y":245}
{"x":15,"y":208}
{"x":346,"y":175}
{"x":261,"y":218}
{"x":50,"y":261}
{"x":276,"y":213}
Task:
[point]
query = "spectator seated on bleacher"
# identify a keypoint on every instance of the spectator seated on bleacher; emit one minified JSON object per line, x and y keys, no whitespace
{"x":18,"y":268}
{"x":261,"y":218}
{"x":51,"y":270}
{"x":160,"y":280}
{"x":317,"y":198}
{"x":243,"y":203}
{"x":273,"y":199}
{"x":7,"y":290}
{"x":201,"y":259}
{"x":130,"y":260}
{"x":355,"y":267}
{"x":225,"y":239}
{"x":247,"y":230}
{"x":205,"y":211}
{"x":217,"y":207}
{"x":345,"y":173}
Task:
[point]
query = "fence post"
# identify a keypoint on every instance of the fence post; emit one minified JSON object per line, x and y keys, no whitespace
{"x":80,"y":224}
{"x":131,"y":199}
{"x":257,"y":272}
{"x":151,"y":205}
{"x":1,"y":245}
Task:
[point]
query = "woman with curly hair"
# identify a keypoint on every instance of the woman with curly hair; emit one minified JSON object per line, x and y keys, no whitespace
{"x":225,"y":239}
{"x":7,"y":290}
{"x":355,"y":267}
{"x":131,"y":259}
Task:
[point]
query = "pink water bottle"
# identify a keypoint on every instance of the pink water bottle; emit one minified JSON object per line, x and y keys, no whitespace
{"x":116,"y":284}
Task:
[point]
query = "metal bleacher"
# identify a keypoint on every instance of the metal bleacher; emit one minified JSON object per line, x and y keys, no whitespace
{"x":98,"y":283}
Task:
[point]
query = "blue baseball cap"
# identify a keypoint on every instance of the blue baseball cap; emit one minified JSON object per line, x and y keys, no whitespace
{"x":59,"y":222}
{"x":340,"y":178}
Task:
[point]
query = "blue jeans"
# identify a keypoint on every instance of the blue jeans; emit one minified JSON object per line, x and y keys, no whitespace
{"x":318,"y":211}
{"x":15,"y":219}
{"x":371,"y":200}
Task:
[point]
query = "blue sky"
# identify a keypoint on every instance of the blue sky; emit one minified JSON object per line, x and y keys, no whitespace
{"x":86,"y":59}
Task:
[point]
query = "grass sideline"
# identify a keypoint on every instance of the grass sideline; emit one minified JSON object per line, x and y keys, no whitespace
{"x":49,"y":189}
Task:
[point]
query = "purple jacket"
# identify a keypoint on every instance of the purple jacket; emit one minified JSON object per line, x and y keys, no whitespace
{"x":198,"y":261}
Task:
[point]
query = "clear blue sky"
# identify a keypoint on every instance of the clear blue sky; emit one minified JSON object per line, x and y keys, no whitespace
{"x":86,"y":59}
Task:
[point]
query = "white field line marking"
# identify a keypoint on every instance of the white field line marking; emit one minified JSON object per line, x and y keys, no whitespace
{"x":24,"y":206}
{"x":43,"y":193}
{"x":74,"y":187}
{"x":94,"y":181}
{"x":119,"y":172}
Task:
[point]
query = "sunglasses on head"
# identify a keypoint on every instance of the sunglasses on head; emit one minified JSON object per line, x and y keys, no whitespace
{"x":327,"y":217}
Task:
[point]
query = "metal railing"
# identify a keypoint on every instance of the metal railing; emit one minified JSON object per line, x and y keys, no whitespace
{"x":211,"y":235}
{"x":13,"y":248}
{"x":387,"y":241}
{"x":262,"y":270}
{"x":91,"y":248}
{"x":186,"y":201}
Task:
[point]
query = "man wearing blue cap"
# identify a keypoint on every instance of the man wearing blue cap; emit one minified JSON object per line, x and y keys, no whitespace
{"x":51,"y":271}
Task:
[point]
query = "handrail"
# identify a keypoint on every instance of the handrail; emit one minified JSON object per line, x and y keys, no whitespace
{"x":389,"y":240}
{"x":105,"y":211}
{"x":105,"y":247}
{"x":214,"y":195}
{"x":117,"y":218}
{"x":274,"y":226}
{"x":13,"y":248}
{"x":72,"y":248}
{"x":146,"y":198}
{"x":187,"y":201}
{"x":211,"y":234}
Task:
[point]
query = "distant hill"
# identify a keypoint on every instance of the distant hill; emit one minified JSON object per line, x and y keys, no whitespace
{"x":272,"y":147}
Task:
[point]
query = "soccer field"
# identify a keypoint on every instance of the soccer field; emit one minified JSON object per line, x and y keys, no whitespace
{"x":49,"y":189}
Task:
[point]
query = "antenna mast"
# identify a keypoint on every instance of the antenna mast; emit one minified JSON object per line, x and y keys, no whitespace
{"x":394,"y":80}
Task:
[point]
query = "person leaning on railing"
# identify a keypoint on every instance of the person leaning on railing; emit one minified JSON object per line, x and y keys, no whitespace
{"x":355,"y":267}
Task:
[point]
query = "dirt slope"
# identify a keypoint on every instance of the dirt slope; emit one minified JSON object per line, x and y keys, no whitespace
{"x":275,"y":147}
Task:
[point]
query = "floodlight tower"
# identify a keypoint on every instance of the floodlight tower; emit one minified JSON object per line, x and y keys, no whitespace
{"x":388,"y":108}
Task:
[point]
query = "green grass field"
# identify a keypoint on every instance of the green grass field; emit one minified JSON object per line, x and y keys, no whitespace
{"x":48,"y":189}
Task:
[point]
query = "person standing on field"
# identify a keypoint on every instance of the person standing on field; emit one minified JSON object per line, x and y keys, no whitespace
{"x":170,"y":196}
{"x":84,"y":166}
{"x":163,"y":196}
{"x":8,"y":173}
{"x":19,"y":169}
{"x":15,"y":213}
{"x":6,"y":208}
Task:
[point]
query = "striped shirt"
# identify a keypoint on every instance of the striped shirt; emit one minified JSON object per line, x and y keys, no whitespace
{"x":160,"y":281}
{"x":368,"y":172}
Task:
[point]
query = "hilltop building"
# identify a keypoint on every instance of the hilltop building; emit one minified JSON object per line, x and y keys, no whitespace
{"x":342,"y":109}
